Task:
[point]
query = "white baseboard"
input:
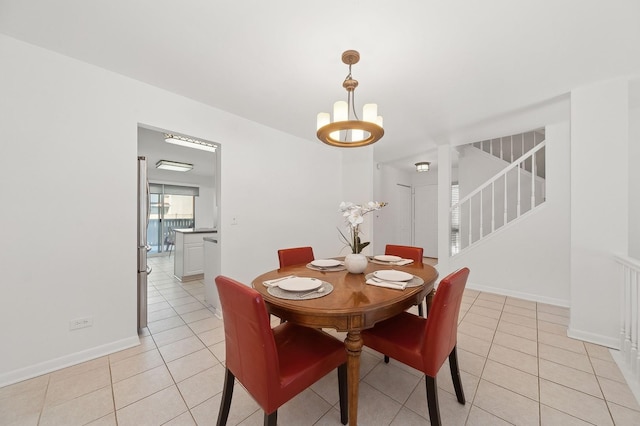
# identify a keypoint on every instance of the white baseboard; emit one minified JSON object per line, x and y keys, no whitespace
{"x":598,"y":339}
{"x":66,"y":361}
{"x":217,"y":312}
{"x":520,"y":295}
{"x":630,"y":378}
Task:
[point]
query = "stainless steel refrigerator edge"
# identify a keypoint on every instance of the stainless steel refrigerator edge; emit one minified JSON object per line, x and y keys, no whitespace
{"x":143,"y":222}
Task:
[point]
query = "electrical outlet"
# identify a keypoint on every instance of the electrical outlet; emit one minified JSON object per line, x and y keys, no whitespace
{"x":80,"y":323}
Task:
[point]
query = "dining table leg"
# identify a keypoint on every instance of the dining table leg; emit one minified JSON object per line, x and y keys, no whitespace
{"x":429,"y":298}
{"x":353,"y":344}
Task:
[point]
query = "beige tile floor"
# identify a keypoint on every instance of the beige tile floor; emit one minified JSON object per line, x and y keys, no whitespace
{"x":518,"y":367}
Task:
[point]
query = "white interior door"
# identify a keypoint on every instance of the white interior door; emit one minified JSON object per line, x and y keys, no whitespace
{"x":426,"y":219}
{"x":402,"y":234}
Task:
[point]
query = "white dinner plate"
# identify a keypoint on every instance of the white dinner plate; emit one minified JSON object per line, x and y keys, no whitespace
{"x":387,"y":258}
{"x":300,"y":284}
{"x":392,"y":275}
{"x":325,"y":263}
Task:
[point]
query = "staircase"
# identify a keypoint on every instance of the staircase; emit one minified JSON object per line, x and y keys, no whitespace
{"x":510,"y":148}
{"x":629,"y":318}
{"x":517,"y":189}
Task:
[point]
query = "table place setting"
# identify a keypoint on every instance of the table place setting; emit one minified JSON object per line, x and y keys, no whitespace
{"x":326,"y":265}
{"x":274,"y":283}
{"x":298,"y":288}
{"x":386,"y":259}
{"x":391,"y":278}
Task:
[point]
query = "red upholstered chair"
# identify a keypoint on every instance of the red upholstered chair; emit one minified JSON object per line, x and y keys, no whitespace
{"x":425,"y":344}
{"x":295,"y":256}
{"x":407,"y":252}
{"x":273,"y":365}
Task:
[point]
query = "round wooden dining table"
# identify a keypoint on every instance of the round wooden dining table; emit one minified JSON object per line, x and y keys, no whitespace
{"x":352,"y":306}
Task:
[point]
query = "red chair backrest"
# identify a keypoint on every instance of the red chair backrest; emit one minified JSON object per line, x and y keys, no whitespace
{"x":251,"y":353}
{"x":405,"y":252}
{"x":442,"y":321}
{"x":295,"y":256}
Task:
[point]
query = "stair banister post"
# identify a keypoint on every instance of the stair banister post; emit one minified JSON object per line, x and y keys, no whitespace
{"x":505,"y":200}
{"x":633,"y":353}
{"x":533,"y":179}
{"x":519,"y":192}
{"x":481,"y":214}
{"x":493,"y":206}
{"x":511,"y":149}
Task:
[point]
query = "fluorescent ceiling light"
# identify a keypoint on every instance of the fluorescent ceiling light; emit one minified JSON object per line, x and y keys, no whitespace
{"x":189,"y":142}
{"x":174,"y":165}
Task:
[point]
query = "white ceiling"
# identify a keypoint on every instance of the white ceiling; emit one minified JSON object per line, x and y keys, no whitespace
{"x":436,"y":69}
{"x":152,"y":146}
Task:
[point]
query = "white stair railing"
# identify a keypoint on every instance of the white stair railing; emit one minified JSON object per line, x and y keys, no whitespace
{"x":510,"y":148}
{"x":629,"y":320}
{"x":509,"y":194}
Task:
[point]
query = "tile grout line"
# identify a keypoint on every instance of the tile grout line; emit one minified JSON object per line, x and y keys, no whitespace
{"x":44,"y":398}
{"x":464,"y":316}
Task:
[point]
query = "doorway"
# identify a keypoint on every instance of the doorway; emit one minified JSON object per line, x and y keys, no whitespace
{"x":173,"y":199}
{"x":425,"y":213}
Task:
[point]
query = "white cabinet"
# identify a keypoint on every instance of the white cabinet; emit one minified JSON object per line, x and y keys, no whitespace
{"x":189,"y":252}
{"x":211,"y":271}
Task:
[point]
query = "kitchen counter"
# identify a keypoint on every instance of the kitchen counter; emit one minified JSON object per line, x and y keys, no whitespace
{"x":189,"y":253}
{"x":196,"y":230}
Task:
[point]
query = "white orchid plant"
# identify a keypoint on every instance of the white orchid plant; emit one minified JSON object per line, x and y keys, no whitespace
{"x":354,"y":216}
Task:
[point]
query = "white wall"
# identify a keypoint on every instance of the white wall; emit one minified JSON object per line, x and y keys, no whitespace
{"x":599,"y":207}
{"x":205,"y":207}
{"x":530,"y":260}
{"x":475,"y":168}
{"x":357,"y":186}
{"x":634,"y":182}
{"x":70,"y":132}
{"x":425,"y":178}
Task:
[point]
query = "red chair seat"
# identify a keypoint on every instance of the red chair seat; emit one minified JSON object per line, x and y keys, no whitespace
{"x":400,"y":337}
{"x":304,"y":356}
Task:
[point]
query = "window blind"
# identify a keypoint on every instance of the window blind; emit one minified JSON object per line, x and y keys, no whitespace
{"x":159,"y":188}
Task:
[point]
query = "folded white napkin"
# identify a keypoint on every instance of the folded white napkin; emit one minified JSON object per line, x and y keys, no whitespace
{"x":388,"y":284}
{"x":404,"y":262}
{"x":274,"y":282}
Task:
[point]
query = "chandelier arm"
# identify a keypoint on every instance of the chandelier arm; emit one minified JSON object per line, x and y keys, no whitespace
{"x":352,"y":95}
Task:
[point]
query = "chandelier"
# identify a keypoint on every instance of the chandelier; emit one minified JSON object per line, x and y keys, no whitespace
{"x":347,"y":130}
